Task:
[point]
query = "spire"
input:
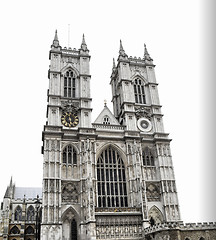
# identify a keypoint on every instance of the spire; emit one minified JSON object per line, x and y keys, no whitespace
{"x":114,"y":66}
{"x":121,"y":50}
{"x":83,"y":39}
{"x":83,"y":44}
{"x":55,"y":41}
{"x":146,"y":54}
{"x":11,"y":182}
{"x":56,"y":36}
{"x":9,"y":190}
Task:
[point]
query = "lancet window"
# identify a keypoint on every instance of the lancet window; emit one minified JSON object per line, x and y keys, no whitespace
{"x":69,"y":84}
{"x":111,"y":180}
{"x":30,"y":214}
{"x":69,"y":155}
{"x":139,"y":91}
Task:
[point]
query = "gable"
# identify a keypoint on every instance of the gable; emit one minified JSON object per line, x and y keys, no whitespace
{"x":106,"y":117}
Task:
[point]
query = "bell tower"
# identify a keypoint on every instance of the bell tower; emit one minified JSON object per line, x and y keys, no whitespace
{"x":136,"y":106}
{"x":69,"y":102}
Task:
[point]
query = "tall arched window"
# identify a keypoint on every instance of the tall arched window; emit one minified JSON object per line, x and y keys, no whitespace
{"x":69,"y":155}
{"x":148,"y":157}
{"x":30,"y":214}
{"x":139,"y":91}
{"x":69,"y":84}
{"x":18,"y":214}
{"x":111,"y":180}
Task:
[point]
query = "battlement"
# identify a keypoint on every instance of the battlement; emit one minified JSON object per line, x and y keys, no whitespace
{"x":181,"y":226}
{"x":70,"y":51}
{"x":136,"y":60}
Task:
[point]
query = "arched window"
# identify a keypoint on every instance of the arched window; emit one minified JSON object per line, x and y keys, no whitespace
{"x":30,"y":214}
{"x":148,"y":158}
{"x":69,"y":155}
{"x":139,"y":91}
{"x":106,"y":120}
{"x":111,"y":180}
{"x":18,"y":214}
{"x":15,"y":230}
{"x":29,"y":230}
{"x":69,"y":84}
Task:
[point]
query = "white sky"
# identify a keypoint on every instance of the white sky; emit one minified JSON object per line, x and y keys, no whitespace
{"x":172,"y":33}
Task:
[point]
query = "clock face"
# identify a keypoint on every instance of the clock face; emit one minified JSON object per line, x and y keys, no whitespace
{"x":144,"y":125}
{"x":69,"y":119}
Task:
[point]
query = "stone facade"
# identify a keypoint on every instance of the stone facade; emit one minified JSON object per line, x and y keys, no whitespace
{"x":110,"y":179}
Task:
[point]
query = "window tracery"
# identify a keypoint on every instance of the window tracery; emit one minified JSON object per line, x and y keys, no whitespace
{"x":111,"y":185}
{"x":148,"y":157}
{"x":18,"y":214}
{"x":139,"y":91}
{"x":30,"y":213}
{"x":69,"y":155}
{"x":15,"y":230}
{"x":29,"y":230}
{"x":69,"y":84}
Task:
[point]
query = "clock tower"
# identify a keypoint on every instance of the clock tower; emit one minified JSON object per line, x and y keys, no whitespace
{"x":69,"y":101}
{"x":64,"y":135}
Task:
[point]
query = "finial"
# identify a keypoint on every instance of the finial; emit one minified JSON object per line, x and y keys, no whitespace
{"x":105,"y":102}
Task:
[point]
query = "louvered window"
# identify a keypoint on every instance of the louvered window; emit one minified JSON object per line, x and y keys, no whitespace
{"x":69,"y":84}
{"x":139,"y":91}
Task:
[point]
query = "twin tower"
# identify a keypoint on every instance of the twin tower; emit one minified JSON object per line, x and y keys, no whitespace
{"x":113,"y":178}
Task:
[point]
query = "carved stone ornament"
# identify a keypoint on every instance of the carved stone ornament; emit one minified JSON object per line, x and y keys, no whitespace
{"x":69,"y":106}
{"x":143,"y":112}
{"x":153,"y":191}
{"x":69,"y":192}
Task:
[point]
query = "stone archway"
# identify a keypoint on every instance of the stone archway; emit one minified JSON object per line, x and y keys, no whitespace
{"x":155,"y":215}
{"x":70,"y":225}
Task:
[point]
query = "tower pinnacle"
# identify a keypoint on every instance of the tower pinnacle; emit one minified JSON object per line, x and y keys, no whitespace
{"x":114,"y":65}
{"x":55,"y":41}
{"x":83,"y":44}
{"x":146,"y":54}
{"x":121,"y":50}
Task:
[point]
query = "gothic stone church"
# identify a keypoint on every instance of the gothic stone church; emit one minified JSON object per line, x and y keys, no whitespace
{"x":110,"y":179}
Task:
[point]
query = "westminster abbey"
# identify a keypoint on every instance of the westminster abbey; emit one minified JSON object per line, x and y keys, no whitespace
{"x":108,"y":179}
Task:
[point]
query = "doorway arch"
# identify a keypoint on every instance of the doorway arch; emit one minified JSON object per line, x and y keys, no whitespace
{"x":70,"y":225}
